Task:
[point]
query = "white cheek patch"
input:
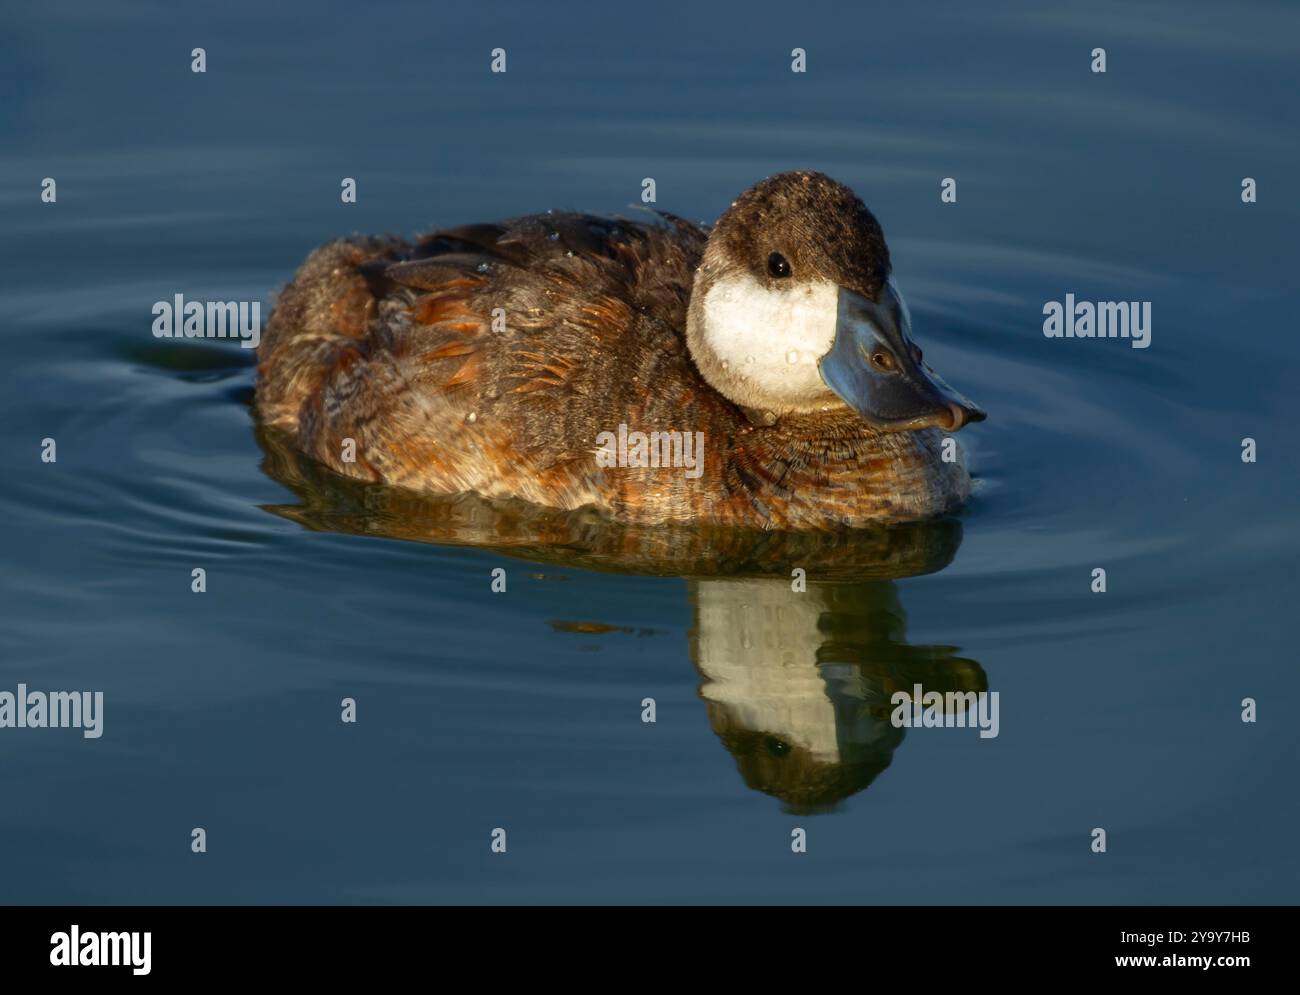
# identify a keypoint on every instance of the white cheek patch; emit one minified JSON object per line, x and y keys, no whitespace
{"x":772,"y":338}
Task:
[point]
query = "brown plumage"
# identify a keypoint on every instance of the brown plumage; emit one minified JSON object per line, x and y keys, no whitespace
{"x":487,"y":359}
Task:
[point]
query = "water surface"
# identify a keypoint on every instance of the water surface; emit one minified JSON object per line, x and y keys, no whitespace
{"x":523,"y":710}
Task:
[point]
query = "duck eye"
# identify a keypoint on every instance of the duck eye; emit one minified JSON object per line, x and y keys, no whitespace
{"x":777,"y":266}
{"x":884,"y":362}
{"x":776,"y":747}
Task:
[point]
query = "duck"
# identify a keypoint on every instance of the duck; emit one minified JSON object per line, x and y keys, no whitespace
{"x":488,"y":359}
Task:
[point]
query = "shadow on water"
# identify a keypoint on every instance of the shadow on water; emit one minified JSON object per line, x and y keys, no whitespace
{"x":796,"y":671}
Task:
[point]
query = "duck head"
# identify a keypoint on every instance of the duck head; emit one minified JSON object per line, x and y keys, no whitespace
{"x":794,"y":310}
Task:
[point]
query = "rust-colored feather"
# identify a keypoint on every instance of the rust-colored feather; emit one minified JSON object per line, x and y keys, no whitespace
{"x":468,"y":372}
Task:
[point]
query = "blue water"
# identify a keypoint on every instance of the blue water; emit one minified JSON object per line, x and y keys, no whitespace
{"x":523,"y":710}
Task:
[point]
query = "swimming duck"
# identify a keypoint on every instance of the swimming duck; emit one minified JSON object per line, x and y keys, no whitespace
{"x":491,"y":358}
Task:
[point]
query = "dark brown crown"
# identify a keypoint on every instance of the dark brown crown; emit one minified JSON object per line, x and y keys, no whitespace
{"x":821,"y":227}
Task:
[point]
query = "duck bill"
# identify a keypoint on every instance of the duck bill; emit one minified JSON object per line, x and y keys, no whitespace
{"x":903,"y":398}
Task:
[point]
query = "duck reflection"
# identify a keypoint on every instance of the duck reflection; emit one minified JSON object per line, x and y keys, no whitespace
{"x":798,"y":685}
{"x":796,"y":675}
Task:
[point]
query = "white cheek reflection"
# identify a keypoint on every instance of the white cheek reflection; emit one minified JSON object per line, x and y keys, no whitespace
{"x":757,"y":648}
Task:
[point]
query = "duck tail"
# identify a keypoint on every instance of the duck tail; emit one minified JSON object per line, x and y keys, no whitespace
{"x":321,"y":318}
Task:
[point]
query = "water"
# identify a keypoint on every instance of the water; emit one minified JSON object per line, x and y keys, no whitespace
{"x":480,"y":710}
